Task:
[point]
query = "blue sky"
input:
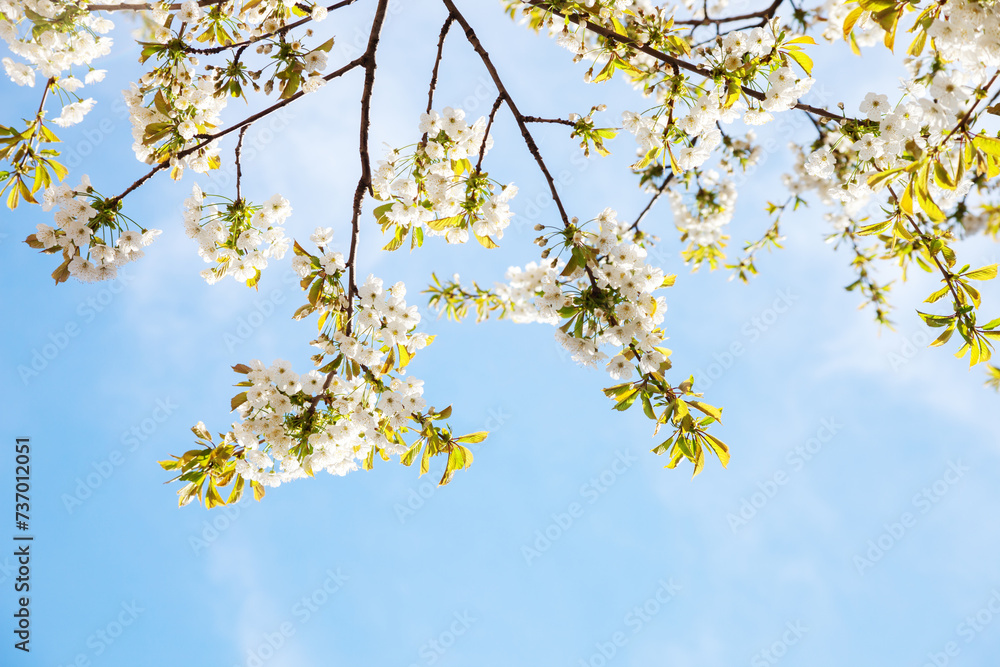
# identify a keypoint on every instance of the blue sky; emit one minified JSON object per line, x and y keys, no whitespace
{"x":566,"y":542}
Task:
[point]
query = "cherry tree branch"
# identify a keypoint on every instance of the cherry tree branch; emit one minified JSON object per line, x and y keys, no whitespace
{"x":364,"y":184}
{"x":437,"y":61}
{"x":141,"y":7}
{"x":560,"y":121}
{"x":656,"y":196}
{"x":207,"y":139}
{"x":520,"y":118}
{"x":489,"y":125}
{"x":284,"y":29}
{"x":624,"y":40}
{"x":767,"y":13}
{"x":239,"y":166}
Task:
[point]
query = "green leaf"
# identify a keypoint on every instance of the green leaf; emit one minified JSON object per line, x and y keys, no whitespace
{"x":237,"y":491}
{"x":238,"y":400}
{"x":984,"y":273}
{"x":441,"y":224}
{"x":937,"y":295}
{"x":626,"y":402}
{"x":710,"y":410}
{"x":397,"y":239}
{"x":201,"y":431}
{"x":459,"y":458}
{"x":719,"y":447}
{"x":486,"y":241}
{"x":606,"y":73}
{"x":875,"y":228}
{"x":212,"y":497}
{"x":943,"y":338}
{"x":473,"y":438}
{"x":804,"y":61}
{"x":647,"y":406}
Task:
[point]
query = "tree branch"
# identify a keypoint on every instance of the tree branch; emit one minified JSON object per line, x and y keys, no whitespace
{"x":239,"y":167}
{"x":246,"y":121}
{"x":529,"y":141}
{"x":291,"y":26}
{"x":656,"y":196}
{"x":364,"y":183}
{"x":489,"y":125}
{"x":624,"y":40}
{"x":437,"y":61}
{"x":560,"y":121}
{"x":765,"y":14}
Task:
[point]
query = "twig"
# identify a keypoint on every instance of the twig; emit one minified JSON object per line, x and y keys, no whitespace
{"x":624,"y":40}
{"x":239,"y":167}
{"x":765,"y":13}
{"x":560,"y":121}
{"x":529,"y":141}
{"x":437,"y":61}
{"x":489,"y":125}
{"x":656,"y":196}
{"x":247,"y":121}
{"x":291,"y":26}
{"x":364,"y":183}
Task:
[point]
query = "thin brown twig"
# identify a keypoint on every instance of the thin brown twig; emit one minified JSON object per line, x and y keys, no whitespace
{"x":765,"y":13}
{"x":206,"y":140}
{"x":624,"y":40}
{"x":489,"y":126}
{"x":437,"y":61}
{"x":656,"y":196}
{"x":239,"y":166}
{"x":364,"y":184}
{"x":284,"y":29}
{"x":968,"y":114}
{"x":141,"y":7}
{"x":529,"y":141}
{"x":560,"y":121}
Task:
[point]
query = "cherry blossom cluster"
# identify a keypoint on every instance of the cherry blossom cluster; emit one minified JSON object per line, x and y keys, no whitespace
{"x":437,"y":190}
{"x":711,"y":208}
{"x":168,"y":108}
{"x":355,"y":403}
{"x":230,"y":235}
{"x":93,"y":237}
{"x":50,"y":38}
{"x":603,"y":295}
{"x":687,"y":141}
{"x":360,"y":414}
{"x":341,"y":438}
